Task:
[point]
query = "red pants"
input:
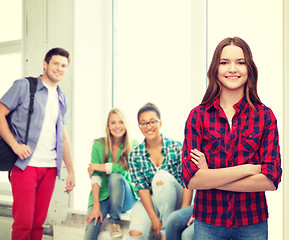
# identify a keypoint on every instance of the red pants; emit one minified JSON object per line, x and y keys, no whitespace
{"x":32,"y":191}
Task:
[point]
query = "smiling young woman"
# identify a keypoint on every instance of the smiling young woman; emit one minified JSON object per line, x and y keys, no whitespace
{"x":112,"y":190}
{"x":231,"y":150}
{"x":155,"y":167}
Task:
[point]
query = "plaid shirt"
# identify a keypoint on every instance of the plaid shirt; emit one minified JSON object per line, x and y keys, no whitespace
{"x":142,"y":170}
{"x":250,"y":140}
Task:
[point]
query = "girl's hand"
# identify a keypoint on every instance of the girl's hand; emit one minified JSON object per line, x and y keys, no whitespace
{"x":157,"y":226}
{"x":90,"y":169}
{"x":191,"y":221}
{"x":95,"y":214}
{"x":199,"y":159}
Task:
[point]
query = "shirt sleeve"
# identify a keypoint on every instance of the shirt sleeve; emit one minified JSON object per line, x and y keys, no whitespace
{"x":270,"y":150}
{"x":135,"y":173}
{"x":192,"y":140}
{"x":15,"y":94}
{"x":96,"y":157}
{"x":179,"y":159}
{"x":96,"y":179}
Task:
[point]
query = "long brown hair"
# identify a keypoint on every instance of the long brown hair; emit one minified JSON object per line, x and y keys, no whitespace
{"x":123,"y":159}
{"x":215,"y":87}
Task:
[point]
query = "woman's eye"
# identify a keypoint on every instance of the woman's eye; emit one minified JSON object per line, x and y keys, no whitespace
{"x":241,"y":63}
{"x":223,"y":63}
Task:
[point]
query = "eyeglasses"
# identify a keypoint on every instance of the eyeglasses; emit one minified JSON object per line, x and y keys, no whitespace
{"x":152,"y":123}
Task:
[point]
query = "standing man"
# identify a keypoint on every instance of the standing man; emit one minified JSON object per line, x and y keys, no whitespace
{"x":34,"y":174}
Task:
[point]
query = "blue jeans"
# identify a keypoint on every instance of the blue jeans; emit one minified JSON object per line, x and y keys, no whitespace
{"x":166,"y":198}
{"x":211,"y":232}
{"x":121,"y":199}
{"x":177,"y":228}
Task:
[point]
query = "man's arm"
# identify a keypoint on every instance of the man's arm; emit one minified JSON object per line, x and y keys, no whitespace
{"x":70,"y":180}
{"x":22,"y":150}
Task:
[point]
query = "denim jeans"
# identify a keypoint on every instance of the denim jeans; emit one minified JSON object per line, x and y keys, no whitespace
{"x":177,"y":228}
{"x":166,"y":198}
{"x":211,"y":232}
{"x":121,"y":199}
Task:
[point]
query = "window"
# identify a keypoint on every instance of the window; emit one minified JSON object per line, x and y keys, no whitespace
{"x":10,"y":62}
{"x":154,"y":51}
{"x":148,"y":51}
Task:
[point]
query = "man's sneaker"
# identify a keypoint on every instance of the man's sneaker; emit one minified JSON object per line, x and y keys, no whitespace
{"x":115,"y":230}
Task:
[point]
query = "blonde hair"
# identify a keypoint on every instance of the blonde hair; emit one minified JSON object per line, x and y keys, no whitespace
{"x":123,"y":159}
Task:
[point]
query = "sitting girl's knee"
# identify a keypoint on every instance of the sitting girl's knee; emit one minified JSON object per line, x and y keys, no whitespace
{"x":162,"y":177}
{"x":135,"y":233}
{"x":115,"y":177}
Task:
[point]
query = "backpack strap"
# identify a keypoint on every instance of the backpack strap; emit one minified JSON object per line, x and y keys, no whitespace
{"x":32,"y":88}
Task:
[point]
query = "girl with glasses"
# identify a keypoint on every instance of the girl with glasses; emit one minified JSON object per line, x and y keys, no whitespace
{"x":155,"y":168}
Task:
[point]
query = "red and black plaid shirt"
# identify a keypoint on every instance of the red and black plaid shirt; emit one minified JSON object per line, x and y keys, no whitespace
{"x":252,"y":139}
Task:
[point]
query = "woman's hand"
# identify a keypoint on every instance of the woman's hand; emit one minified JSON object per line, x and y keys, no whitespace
{"x":191,"y":221}
{"x":199,"y":159}
{"x":94,"y":214}
{"x":91,"y":169}
{"x":157,"y":226}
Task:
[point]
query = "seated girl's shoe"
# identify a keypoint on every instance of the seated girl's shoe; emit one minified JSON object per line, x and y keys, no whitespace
{"x":115,"y":230}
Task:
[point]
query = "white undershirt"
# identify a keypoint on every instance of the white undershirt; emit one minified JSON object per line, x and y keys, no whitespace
{"x":45,"y":152}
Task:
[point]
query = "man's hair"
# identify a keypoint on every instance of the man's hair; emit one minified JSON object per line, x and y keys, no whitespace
{"x":56,"y":51}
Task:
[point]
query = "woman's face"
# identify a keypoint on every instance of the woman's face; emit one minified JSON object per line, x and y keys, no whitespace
{"x":232,"y":71}
{"x":150,"y":124}
{"x":116,"y":125}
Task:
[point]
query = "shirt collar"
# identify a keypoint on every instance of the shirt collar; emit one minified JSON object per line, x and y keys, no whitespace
{"x":240,"y":106}
{"x":118,"y":153}
{"x":165,"y":143}
{"x":215,"y":104}
{"x":61,"y":97}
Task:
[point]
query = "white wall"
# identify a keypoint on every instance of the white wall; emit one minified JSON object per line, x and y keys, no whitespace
{"x":286,"y":119}
{"x":260,"y":24}
{"x":159,"y":57}
{"x":92,"y":86}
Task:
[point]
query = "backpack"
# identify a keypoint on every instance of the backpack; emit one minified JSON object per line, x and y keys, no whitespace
{"x":7,"y":156}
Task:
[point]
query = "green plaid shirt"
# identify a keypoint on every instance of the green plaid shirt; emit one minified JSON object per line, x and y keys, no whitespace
{"x":142,"y":170}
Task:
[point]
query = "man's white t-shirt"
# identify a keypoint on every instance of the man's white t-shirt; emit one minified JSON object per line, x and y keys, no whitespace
{"x":45,"y":152}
